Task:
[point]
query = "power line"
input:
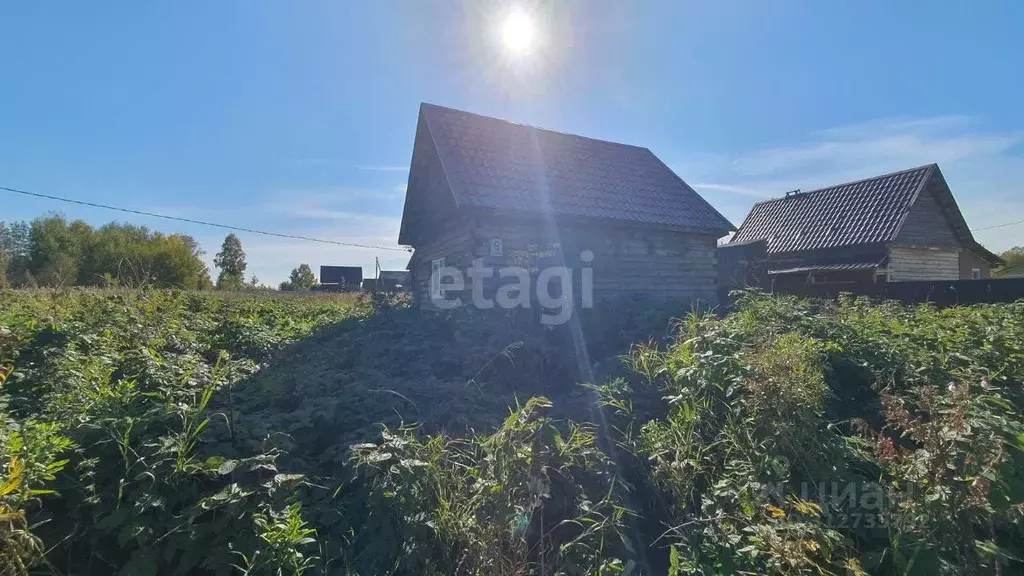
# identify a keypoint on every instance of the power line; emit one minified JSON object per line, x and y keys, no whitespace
{"x":276,"y":234}
{"x":997,"y":226}
{"x":202,"y":222}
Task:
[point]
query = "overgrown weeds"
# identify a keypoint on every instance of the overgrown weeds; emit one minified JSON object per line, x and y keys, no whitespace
{"x":164,"y":432}
{"x":762,"y":478}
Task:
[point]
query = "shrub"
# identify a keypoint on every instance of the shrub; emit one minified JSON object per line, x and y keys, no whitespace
{"x":169,"y":432}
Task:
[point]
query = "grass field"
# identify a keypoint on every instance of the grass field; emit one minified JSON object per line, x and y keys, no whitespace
{"x":195,"y":433}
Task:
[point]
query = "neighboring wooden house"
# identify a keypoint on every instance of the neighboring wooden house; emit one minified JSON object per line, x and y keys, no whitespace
{"x":509,"y":194}
{"x":388,"y":280}
{"x":342,"y":277}
{"x":742,"y":264}
{"x":896,"y":227}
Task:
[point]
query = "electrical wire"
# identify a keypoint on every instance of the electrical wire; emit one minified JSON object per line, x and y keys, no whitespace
{"x":278,"y":234}
{"x":201,"y":222}
{"x":997,"y":226}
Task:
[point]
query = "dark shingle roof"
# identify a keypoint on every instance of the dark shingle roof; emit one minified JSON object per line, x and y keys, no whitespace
{"x":496,"y":164}
{"x":869,"y":211}
{"x":338,"y":274}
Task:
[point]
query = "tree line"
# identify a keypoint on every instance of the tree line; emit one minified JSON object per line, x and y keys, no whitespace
{"x":51,"y":251}
{"x":1014,"y":261}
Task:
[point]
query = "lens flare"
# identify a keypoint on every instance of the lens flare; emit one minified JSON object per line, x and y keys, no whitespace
{"x":518,"y":33}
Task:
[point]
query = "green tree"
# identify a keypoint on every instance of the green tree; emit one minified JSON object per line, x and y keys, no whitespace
{"x":1014,"y":258}
{"x":5,"y":259}
{"x":57,"y":250}
{"x":231,"y":261}
{"x":301,"y":278}
{"x":15,"y":244}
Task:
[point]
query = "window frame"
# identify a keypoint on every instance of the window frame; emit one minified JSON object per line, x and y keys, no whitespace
{"x":436,"y":289}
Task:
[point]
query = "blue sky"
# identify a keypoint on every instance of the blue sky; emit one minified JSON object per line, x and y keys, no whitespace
{"x":299,"y":117}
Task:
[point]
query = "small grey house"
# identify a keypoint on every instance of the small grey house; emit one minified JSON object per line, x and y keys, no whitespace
{"x":347,"y":277}
{"x":896,"y":227}
{"x":480,"y":187}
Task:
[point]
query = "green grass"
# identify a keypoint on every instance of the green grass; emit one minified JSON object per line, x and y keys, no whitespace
{"x":201,"y":433}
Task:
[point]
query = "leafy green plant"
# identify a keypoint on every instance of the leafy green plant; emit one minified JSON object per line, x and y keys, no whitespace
{"x":169,"y":432}
{"x":283,"y":535}
{"x":521,"y":500}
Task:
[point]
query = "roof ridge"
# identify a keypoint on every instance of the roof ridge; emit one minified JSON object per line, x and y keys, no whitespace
{"x":579,"y":176}
{"x":851,"y":182}
{"x":514,"y":123}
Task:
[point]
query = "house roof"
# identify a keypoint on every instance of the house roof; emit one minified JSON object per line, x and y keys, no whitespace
{"x":496,"y":164}
{"x":339,"y":274}
{"x":871,"y":211}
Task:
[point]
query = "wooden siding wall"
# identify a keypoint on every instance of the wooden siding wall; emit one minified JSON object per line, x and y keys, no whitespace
{"x":926,"y":225}
{"x":659,"y":264}
{"x":455,"y":247}
{"x":969,"y":260}
{"x":910,"y":263}
{"x":742,"y":264}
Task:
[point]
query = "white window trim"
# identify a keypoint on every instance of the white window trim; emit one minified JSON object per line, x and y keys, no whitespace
{"x":975,"y":273}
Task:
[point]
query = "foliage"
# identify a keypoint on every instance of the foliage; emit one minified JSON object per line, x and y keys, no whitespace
{"x":807,"y":437}
{"x":1013,"y":261}
{"x":301,"y":278}
{"x":526,"y":499}
{"x":15,"y":246}
{"x":118,"y":392}
{"x":51,"y":251}
{"x":266,"y":433}
{"x":231,"y":261}
{"x":283,"y":534}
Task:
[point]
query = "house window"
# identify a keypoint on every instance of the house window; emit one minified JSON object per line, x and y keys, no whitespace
{"x":881,"y":277}
{"x":975,"y":273}
{"x":496,"y":247}
{"x":436,"y":291}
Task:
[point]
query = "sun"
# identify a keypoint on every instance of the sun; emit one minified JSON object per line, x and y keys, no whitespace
{"x":518,"y":33}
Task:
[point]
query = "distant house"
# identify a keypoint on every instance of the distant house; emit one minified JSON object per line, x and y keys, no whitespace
{"x":389,"y":280}
{"x":342,"y":277}
{"x":509,"y":193}
{"x":891,"y":228}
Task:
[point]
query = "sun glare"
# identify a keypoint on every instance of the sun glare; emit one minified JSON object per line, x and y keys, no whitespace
{"x":518,"y":33}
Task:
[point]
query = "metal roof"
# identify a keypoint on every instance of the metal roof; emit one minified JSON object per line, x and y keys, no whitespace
{"x":867,"y":211}
{"x":496,"y":164}
{"x":339,"y":274}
